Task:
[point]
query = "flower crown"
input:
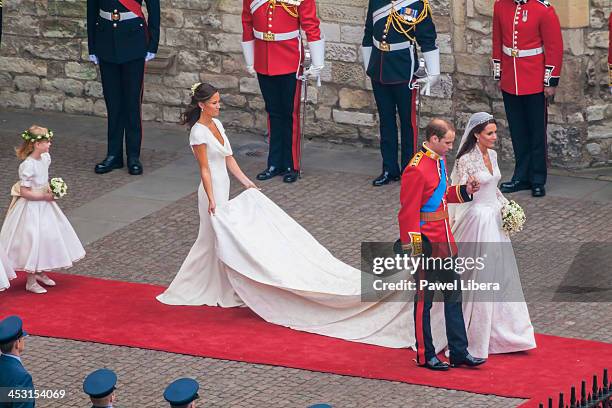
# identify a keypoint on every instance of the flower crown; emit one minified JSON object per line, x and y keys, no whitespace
{"x":30,"y":137}
{"x":194,"y":87}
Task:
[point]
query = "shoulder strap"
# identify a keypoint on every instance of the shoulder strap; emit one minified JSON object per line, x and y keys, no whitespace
{"x":256,"y":4}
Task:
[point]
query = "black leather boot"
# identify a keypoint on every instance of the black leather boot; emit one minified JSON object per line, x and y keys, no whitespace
{"x":269,"y":173}
{"x":134,"y":167}
{"x":109,"y":164}
{"x":384,"y":178}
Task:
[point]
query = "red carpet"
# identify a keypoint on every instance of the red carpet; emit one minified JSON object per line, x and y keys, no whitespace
{"x":127,"y":314}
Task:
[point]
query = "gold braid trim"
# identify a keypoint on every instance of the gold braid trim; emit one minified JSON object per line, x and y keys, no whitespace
{"x":404,"y":27}
{"x":609,"y":73}
{"x":291,"y":10}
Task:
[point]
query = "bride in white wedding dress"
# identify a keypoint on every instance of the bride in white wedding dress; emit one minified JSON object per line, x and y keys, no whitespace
{"x":495,"y":322}
{"x":250,"y":252}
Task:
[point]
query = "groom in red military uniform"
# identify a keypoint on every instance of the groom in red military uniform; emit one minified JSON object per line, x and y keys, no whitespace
{"x":527,"y":57}
{"x":424,"y":230}
{"x":272,"y":48}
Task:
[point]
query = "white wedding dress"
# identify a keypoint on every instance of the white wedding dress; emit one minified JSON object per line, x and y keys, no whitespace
{"x":495,"y":323}
{"x":252,"y":253}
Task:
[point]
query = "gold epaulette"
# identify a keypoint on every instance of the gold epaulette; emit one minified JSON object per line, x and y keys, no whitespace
{"x":416,"y":159}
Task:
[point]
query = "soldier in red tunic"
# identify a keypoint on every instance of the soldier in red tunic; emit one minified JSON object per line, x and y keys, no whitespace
{"x":610,"y":53}
{"x":527,"y":57}
{"x":272,"y":48}
{"x":424,"y":230}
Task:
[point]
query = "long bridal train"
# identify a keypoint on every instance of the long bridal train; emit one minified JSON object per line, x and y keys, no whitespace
{"x":272,"y":264}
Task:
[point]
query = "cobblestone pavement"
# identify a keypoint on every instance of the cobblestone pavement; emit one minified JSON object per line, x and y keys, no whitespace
{"x":73,"y":160}
{"x":340,"y":210}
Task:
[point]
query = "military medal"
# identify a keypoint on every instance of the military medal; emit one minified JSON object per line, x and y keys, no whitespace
{"x":408,"y":14}
{"x":525,"y":16}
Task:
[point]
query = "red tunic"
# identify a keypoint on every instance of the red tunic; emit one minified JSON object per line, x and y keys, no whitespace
{"x":279,"y":57}
{"x":526,"y":25}
{"x":610,"y":50}
{"x":420,"y":180}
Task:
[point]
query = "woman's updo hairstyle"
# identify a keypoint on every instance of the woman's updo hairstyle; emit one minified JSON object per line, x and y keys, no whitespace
{"x":200,"y":92}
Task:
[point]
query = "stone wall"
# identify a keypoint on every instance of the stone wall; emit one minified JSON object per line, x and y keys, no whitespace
{"x":43,"y":65}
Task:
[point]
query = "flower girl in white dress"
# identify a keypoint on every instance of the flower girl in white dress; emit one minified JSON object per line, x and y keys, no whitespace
{"x":36,"y":234}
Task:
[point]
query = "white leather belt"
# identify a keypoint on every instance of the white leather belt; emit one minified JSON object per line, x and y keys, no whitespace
{"x":391,"y":47}
{"x":107,"y":15}
{"x":276,"y":36}
{"x":513,"y":52}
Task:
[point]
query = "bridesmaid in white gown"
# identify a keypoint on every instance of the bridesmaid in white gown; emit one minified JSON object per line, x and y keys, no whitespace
{"x":250,"y":252}
{"x":495,"y":323}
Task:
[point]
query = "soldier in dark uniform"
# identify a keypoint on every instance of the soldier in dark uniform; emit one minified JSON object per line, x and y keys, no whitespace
{"x":120,"y":40}
{"x":100,"y":386}
{"x":392,"y":30}
{"x":13,"y":375}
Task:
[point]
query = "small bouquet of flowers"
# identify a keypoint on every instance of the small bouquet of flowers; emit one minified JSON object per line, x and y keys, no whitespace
{"x":58,"y":187}
{"x":513,"y":218}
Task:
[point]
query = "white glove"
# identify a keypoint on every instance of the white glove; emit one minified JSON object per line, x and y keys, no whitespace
{"x":313,"y":71}
{"x":248,"y":51}
{"x":150,"y":56}
{"x":93,"y":59}
{"x":365,"y":53}
{"x":432,"y":63}
{"x":317,"y":56}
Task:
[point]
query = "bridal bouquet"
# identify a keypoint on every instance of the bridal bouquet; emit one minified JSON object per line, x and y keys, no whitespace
{"x":513,"y":218}
{"x":58,"y":187}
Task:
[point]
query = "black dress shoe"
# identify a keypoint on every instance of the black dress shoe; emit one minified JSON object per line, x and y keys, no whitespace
{"x":436,"y":364}
{"x":514,"y":186}
{"x":384,"y":178}
{"x":538,"y":190}
{"x":109,"y":164}
{"x":468,"y":360}
{"x":134,"y":167}
{"x":291,"y":176}
{"x":269,"y":173}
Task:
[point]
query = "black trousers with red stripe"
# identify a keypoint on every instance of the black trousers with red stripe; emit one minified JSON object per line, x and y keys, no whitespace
{"x":122,"y":86}
{"x":527,"y":121}
{"x":392,"y":100}
{"x":281,"y":94}
{"x":453,"y":314}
